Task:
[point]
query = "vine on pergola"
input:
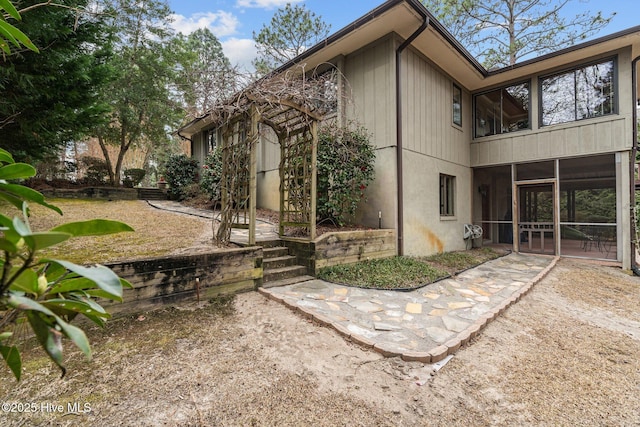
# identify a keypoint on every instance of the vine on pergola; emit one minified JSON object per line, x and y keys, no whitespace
{"x":291,"y":103}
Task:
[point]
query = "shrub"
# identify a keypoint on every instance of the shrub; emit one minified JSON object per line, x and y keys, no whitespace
{"x":212,"y":174}
{"x":51,"y":168}
{"x":97,"y":171}
{"x":180,"y":171}
{"x":133,"y":177}
{"x":345,"y":169}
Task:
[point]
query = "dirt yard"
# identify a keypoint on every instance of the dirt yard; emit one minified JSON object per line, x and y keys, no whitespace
{"x":565,"y":355}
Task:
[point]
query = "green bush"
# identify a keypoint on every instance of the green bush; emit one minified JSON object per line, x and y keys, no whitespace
{"x":345,"y":169}
{"x":212,"y":174}
{"x":133,"y":177}
{"x":180,"y":171}
{"x":97,"y":171}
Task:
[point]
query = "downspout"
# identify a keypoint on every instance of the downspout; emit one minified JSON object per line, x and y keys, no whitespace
{"x":186,"y":139}
{"x":634,"y":150}
{"x":399,"y":167}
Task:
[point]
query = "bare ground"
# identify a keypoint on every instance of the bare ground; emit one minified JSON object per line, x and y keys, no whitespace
{"x":565,"y":355}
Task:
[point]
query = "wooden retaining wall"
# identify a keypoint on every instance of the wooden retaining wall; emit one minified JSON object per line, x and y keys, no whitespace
{"x":171,"y":279}
{"x":343,"y":247}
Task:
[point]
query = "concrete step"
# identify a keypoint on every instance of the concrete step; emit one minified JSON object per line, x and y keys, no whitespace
{"x":275,"y":252}
{"x":278,"y":262}
{"x":283,"y":273}
{"x":286,"y":282}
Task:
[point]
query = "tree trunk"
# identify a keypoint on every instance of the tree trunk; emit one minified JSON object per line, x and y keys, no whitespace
{"x":123,"y":150}
{"x":107,"y":159}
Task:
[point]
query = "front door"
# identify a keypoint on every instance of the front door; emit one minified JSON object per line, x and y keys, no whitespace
{"x":536,"y":229}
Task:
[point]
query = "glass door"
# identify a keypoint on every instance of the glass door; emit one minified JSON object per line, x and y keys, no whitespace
{"x":537,"y":233}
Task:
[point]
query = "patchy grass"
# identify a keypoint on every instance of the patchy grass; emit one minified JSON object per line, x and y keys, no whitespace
{"x":406,"y":272}
{"x":454,"y":262}
{"x":156,"y":233}
{"x":388,"y":273}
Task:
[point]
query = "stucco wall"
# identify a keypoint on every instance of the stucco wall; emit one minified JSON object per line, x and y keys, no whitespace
{"x":425,"y":231}
{"x":268,"y":190}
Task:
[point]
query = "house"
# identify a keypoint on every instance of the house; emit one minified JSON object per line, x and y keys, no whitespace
{"x":540,"y":154}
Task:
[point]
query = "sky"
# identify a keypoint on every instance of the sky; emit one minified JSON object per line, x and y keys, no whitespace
{"x":234,"y":21}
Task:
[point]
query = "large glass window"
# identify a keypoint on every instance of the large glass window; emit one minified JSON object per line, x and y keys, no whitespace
{"x":578,"y":94}
{"x":502,"y":110}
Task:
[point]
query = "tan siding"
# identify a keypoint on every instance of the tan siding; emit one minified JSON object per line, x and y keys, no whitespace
{"x":369,"y":73}
{"x":268,"y":157}
{"x":581,"y":138}
{"x":198,"y":147}
{"x":427,"y":105}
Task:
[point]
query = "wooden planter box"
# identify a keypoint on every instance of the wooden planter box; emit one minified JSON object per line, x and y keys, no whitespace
{"x":343,"y":247}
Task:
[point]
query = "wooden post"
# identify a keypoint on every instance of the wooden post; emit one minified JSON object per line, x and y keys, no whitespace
{"x":514,"y":211}
{"x":253,"y":138}
{"x":314,"y":178}
{"x":283,"y":140}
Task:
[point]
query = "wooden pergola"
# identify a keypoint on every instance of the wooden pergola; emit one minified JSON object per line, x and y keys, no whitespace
{"x":292,"y":106}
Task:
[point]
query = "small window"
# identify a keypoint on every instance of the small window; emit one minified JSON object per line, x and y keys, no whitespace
{"x":581,"y":93}
{"x":502,"y":110}
{"x":447,"y":194}
{"x":211,"y":140}
{"x":457,"y":105}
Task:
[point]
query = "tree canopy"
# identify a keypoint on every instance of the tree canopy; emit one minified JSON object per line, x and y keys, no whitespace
{"x":502,"y":32}
{"x":205,"y":74}
{"x":54,"y":96}
{"x":292,"y":30}
{"x":143,"y":108}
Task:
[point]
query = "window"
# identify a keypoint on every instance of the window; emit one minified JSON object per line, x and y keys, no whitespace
{"x":502,"y":110}
{"x":578,"y":94}
{"x":447,"y":194}
{"x":457,"y":105}
{"x":327,"y":98}
{"x":211,"y":140}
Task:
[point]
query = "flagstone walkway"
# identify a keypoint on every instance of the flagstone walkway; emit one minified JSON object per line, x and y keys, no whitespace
{"x":426,"y":324}
{"x":264,"y":229}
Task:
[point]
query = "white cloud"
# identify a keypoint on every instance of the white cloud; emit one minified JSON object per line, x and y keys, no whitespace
{"x":241,"y":52}
{"x":266,"y":4}
{"x":220,"y":23}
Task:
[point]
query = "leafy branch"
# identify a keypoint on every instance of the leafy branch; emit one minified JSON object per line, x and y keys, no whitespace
{"x":47,"y":293}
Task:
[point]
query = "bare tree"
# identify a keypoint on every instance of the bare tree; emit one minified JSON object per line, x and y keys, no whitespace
{"x":503,"y":32}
